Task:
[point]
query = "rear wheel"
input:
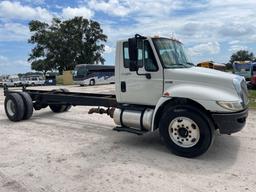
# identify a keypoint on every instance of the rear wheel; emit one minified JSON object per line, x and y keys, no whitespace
{"x":57,"y":108}
{"x":14,"y":107}
{"x":186,"y":131}
{"x":28,"y":105}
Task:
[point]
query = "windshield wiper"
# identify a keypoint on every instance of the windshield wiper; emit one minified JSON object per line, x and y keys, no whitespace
{"x":180,"y":65}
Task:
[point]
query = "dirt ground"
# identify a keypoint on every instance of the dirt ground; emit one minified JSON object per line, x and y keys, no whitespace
{"x":75,"y":152}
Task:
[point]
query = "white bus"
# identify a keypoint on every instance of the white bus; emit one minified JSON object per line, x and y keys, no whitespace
{"x":92,"y":74}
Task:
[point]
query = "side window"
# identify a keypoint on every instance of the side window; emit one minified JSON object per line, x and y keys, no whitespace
{"x":126,"y":55}
{"x":150,"y":63}
{"x":140,"y":54}
{"x":145,"y":58}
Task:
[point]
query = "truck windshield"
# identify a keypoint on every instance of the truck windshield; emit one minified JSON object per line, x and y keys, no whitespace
{"x":172,"y":53}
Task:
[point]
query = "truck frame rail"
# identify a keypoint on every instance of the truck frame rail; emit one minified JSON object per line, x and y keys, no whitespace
{"x":59,"y":97}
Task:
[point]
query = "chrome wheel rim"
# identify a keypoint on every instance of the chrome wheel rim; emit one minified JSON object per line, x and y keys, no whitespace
{"x":184,"y":132}
{"x":10,"y":108}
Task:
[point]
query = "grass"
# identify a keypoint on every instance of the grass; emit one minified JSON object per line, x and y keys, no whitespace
{"x":252,"y":98}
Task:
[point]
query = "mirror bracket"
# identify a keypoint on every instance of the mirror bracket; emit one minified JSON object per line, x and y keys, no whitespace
{"x":147,"y":75}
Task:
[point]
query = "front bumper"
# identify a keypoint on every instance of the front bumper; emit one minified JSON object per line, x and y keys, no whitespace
{"x":229,"y":123}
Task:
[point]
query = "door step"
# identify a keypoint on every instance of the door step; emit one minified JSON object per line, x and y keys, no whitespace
{"x":130,"y":130}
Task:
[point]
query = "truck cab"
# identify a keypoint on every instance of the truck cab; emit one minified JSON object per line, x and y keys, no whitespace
{"x":157,"y":85}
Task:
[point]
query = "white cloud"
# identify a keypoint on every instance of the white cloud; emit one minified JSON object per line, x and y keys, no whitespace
{"x":3,"y":61}
{"x":34,"y":1}
{"x":235,"y":48}
{"x":14,"y":32}
{"x":108,"y":49}
{"x":234,"y":42}
{"x":210,"y":48}
{"x":7,"y":62}
{"x":14,"y":10}
{"x":69,"y":12}
{"x":111,"y":7}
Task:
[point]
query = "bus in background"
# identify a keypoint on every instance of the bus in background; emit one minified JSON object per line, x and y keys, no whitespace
{"x":92,"y":74}
{"x":212,"y":65}
{"x":242,"y":68}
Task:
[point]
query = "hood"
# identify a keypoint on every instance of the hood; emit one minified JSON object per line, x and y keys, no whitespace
{"x":201,"y":75}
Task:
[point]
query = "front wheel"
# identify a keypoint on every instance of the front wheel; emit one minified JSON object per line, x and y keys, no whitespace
{"x":186,"y":131}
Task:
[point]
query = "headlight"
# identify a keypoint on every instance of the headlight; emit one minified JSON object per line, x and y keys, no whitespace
{"x":231,"y":105}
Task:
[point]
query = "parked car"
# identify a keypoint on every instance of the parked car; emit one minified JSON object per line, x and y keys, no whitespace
{"x":33,"y":81}
{"x":12,"y":82}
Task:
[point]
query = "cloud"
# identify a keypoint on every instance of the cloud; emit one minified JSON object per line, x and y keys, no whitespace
{"x":12,"y":66}
{"x":13,"y":32}
{"x":210,"y":48}
{"x":111,"y":7}
{"x":234,"y":42}
{"x":37,"y":2}
{"x":3,"y":61}
{"x":236,"y":30}
{"x":15,"y":10}
{"x":235,"y":48}
{"x":108,"y":49}
{"x":69,"y":12}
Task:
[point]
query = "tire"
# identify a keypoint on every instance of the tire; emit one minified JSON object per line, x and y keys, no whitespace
{"x":92,"y":82}
{"x":68,"y":107}
{"x":81,"y":85}
{"x":28,"y":105}
{"x":186,"y":131}
{"x":56,"y":108}
{"x":14,"y":107}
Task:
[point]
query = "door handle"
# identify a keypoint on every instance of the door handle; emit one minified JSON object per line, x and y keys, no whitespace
{"x":123,"y":86}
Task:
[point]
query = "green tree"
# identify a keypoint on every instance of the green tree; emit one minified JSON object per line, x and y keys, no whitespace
{"x":242,"y":55}
{"x":63,"y":44}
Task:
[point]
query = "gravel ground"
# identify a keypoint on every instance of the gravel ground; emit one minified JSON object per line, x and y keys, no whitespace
{"x":74,"y":151}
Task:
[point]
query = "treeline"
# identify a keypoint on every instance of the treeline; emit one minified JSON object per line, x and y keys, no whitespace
{"x":63,"y":44}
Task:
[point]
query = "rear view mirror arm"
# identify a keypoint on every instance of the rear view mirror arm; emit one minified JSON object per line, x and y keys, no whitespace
{"x":148,"y":75}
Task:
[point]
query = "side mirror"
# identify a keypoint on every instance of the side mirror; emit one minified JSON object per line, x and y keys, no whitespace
{"x":133,"y":54}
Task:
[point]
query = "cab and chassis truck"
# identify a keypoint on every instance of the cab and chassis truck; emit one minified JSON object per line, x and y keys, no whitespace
{"x":157,"y":88}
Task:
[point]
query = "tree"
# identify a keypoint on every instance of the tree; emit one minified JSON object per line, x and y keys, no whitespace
{"x":242,"y":55}
{"x":63,"y":44}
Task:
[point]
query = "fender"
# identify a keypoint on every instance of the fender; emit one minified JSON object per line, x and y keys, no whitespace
{"x":200,"y":94}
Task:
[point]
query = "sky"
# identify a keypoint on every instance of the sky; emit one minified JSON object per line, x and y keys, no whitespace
{"x":209,"y":29}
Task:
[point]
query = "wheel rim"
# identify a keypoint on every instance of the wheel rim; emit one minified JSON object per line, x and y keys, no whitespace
{"x":10,"y":108}
{"x":184,"y":132}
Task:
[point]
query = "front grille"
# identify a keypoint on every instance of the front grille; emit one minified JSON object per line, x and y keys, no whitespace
{"x":244,"y":93}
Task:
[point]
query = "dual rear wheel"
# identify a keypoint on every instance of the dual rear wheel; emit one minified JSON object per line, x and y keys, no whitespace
{"x":18,"y":106}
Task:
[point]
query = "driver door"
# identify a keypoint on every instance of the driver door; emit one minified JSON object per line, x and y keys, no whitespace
{"x":135,"y":88}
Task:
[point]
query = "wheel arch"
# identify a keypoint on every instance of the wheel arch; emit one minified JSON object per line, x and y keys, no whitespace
{"x":167,"y":102}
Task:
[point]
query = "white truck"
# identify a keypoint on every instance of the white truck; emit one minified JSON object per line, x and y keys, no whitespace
{"x":12,"y":81}
{"x":34,"y":81}
{"x":157,"y":88}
